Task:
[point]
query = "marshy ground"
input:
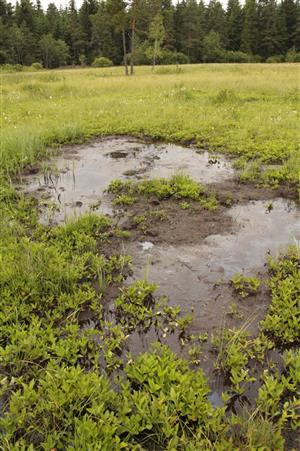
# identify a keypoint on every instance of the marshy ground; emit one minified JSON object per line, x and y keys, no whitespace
{"x":112,"y":245}
{"x":190,"y":250}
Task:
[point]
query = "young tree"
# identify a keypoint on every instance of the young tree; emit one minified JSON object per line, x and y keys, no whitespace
{"x":281,"y":29}
{"x":40,"y":21}
{"x":88,"y":8}
{"x":23,"y":45}
{"x":297,"y":30}
{"x":290,"y":9}
{"x":193,"y":30}
{"x":102,"y":34}
{"x":216,"y":20}
{"x":25,"y":15}
{"x":54,"y":52}
{"x":212,"y":47}
{"x":168,"y":12}
{"x":74,"y":35}
{"x":53,"y":18}
{"x":156,"y":34}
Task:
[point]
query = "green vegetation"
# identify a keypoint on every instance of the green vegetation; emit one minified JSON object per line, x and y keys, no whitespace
{"x":149,"y":32}
{"x":247,"y":111}
{"x":101,"y":61}
{"x":283,"y":319}
{"x":177,"y":187}
{"x":142,"y":221}
{"x":66,"y":313}
{"x":124,"y":199}
{"x":245,"y":286}
{"x":277,"y":396}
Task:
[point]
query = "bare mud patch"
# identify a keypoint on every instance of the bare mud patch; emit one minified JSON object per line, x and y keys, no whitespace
{"x":172,"y":223}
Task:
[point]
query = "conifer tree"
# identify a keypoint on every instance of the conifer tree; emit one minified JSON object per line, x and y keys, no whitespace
{"x":268,"y":37}
{"x":116,"y":28}
{"x":234,"y":24}
{"x":249,"y":36}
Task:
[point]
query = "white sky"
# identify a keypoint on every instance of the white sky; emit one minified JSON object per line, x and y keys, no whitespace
{"x":78,"y":3}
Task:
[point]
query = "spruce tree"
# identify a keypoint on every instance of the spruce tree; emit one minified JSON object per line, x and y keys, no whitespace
{"x":290,"y":12}
{"x":249,"y":38}
{"x":234,"y":24}
{"x":268,"y":36}
{"x":74,"y":35}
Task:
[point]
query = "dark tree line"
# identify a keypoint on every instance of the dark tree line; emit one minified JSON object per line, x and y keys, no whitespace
{"x":148,"y":32}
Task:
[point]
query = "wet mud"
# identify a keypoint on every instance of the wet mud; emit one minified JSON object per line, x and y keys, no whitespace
{"x":167,"y":222}
{"x":191,"y":254}
{"x":75,"y":181}
{"x":198,"y":275}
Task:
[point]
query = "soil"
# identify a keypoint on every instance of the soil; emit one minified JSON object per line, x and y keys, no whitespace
{"x":166,"y":222}
{"x":246,"y":192}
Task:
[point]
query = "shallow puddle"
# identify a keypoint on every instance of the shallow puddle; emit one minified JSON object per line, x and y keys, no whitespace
{"x":80,"y":174}
{"x":192,"y":276}
{"x":197,"y":276}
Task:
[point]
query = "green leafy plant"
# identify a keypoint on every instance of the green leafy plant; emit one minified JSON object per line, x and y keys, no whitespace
{"x":102,"y":61}
{"x":245,"y":286}
{"x":124,"y":199}
{"x":283,"y":318}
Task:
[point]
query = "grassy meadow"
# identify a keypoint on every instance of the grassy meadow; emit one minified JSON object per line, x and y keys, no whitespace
{"x":250,"y":111}
{"x":64,"y":387}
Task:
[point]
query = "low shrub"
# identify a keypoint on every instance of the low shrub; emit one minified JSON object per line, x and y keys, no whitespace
{"x":292,"y":56}
{"x":168,"y":57}
{"x":235,"y":57}
{"x":102,"y":61}
{"x":275,"y":59}
{"x":12,"y":67}
{"x":3,"y":57}
{"x":245,"y":286}
{"x":177,"y":187}
{"x":36,"y":66}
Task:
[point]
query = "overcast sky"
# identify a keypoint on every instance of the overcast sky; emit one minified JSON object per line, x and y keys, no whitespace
{"x":78,"y":3}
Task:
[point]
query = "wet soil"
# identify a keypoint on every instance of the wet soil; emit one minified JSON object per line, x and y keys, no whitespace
{"x":167,"y":222}
{"x":191,"y":254}
{"x":246,"y":192}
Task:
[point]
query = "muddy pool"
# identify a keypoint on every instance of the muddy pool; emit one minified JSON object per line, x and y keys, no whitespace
{"x":198,"y":275}
{"x":193,"y":276}
{"x":74,"y":182}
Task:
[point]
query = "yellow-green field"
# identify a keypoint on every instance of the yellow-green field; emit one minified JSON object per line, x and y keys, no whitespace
{"x":64,"y":386}
{"x":248,"y":110}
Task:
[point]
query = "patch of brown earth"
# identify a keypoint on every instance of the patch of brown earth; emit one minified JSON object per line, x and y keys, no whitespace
{"x":246,"y":192}
{"x":168,"y":222}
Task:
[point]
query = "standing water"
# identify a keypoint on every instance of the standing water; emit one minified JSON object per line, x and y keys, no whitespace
{"x":193,"y":276}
